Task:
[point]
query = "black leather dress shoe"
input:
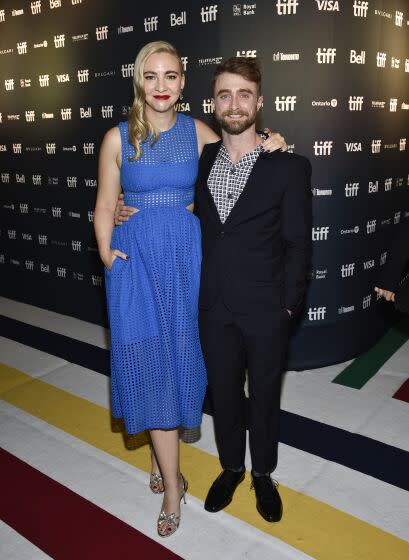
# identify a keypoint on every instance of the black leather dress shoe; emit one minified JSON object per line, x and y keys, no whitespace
{"x":268,"y":501}
{"x":222,"y":490}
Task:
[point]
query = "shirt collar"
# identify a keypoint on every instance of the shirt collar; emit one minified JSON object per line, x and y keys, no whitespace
{"x":250,"y":157}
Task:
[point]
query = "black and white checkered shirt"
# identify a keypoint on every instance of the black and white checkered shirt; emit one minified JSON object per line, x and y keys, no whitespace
{"x":227,"y":180}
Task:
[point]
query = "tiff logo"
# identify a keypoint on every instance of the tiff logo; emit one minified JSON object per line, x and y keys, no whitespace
{"x":184,"y":60}
{"x":323,"y":147}
{"x":373,"y":187}
{"x":208,"y":106}
{"x":366,"y":302}
{"x":91,"y":215}
{"x":44,"y":80}
{"x":381,"y":60}
{"x":36,"y":7}
{"x":285,"y":103}
{"x":30,"y":116}
{"x":56,"y":212}
{"x":355,"y":58}
{"x":50,"y":148}
{"x":61,"y":272}
{"x":355,"y":102}
{"x":107,"y":111}
{"x":23,"y":208}
{"x":17,"y":148}
{"x":11,"y":233}
{"x":247,"y":54}
{"x":2,"y":15}
{"x":96,"y":280}
{"x":371,"y":226}
{"x":101,"y":33}
{"x":208,"y":13}
{"x":286,"y":7}
{"x":22,"y":47}
{"x":72,"y":182}
{"x":398,"y":18}
{"x":395,"y":63}
{"x":75,"y":2}
{"x":360,"y":8}
{"x":29,"y":265}
{"x":151,"y":24}
{"x":316,"y":313}
{"x":351,"y":189}
{"x":88,"y":148}
{"x":347,"y":270}
{"x":76,"y":245}
{"x":55,"y":4}
{"x":83,"y":75}
{"x":376,"y":146}
{"x":66,"y":113}
{"x":326,"y":55}
{"x":36,"y":180}
{"x":393,"y":104}
{"x":9,"y":84}
{"x":42,"y":239}
{"x":402,"y":144}
{"x":5,"y":177}
{"x":320,"y":233}
{"x":127,"y":70}
{"x":59,"y":41}
{"x":388,"y":184}
{"x":396,"y":218}
{"x":85,"y":113}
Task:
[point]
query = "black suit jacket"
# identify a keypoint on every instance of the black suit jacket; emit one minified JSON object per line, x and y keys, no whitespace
{"x":397,"y":259}
{"x":259,"y":256}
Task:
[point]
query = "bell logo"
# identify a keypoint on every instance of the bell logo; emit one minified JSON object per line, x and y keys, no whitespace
{"x":29,"y":265}
{"x":151,"y":24}
{"x":376,"y":146}
{"x":320,"y":233}
{"x":351,"y":189}
{"x":355,"y":58}
{"x":360,"y":8}
{"x":42,"y":239}
{"x":107,"y":111}
{"x":395,"y":63}
{"x":50,"y":148}
{"x":393,"y":104}
{"x":326,"y":55}
{"x":9,"y":84}
{"x":370,"y":226}
{"x":85,"y":113}
{"x":72,"y":182}
{"x":5,"y":177}
{"x":208,"y":106}
{"x":127,"y":70}
{"x":247,"y":54}
{"x":61,"y":272}
{"x":20,"y":178}
{"x":36,"y":180}
{"x":328,"y":5}
{"x":62,"y":78}
{"x":11,"y":233}
{"x":55,"y":4}
{"x":17,"y":148}
{"x":36,"y":7}
{"x":347,"y":270}
{"x":23,"y":208}
{"x":3,"y":148}
{"x":381,"y":60}
{"x":59,"y":41}
{"x":323,"y":147}
{"x":91,"y":215}
{"x":83,"y":75}
{"x":208,"y":13}
{"x":286,"y":7}
{"x":101,"y":33}
{"x":366,"y":302}
{"x":398,"y":18}
{"x":76,"y":245}
{"x":44,"y":267}
{"x":402,"y":144}
{"x":353,"y":146}
{"x":373,"y":187}
{"x":388,"y":184}
{"x":355,"y":103}
{"x":44,"y":80}
{"x":177,"y":20}
{"x":88,"y":148}
{"x":22,"y":47}
{"x":96,"y":280}
{"x":56,"y":212}
{"x":316,"y":313}
{"x":66,"y":114}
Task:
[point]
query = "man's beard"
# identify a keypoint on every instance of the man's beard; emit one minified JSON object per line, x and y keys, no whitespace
{"x":236,"y":127}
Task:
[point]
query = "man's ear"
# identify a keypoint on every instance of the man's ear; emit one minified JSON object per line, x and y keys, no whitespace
{"x":260,"y":101}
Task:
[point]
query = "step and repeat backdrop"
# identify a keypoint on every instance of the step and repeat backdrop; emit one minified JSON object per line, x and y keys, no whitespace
{"x":335,"y":84}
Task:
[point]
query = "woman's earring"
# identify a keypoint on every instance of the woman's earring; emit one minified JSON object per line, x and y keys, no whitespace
{"x":181,"y":94}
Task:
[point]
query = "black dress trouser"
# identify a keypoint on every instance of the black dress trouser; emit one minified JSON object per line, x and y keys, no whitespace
{"x":230,"y":342}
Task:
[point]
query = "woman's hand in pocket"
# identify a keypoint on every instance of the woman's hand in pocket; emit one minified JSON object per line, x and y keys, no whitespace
{"x":113,"y":254}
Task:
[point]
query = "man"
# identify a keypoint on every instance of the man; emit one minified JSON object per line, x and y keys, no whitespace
{"x":254,"y":209}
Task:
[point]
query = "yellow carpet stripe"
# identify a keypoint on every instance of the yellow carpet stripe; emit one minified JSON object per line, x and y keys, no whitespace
{"x":314,"y":527}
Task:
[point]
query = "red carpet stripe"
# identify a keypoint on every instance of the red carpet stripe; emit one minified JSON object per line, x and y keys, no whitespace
{"x":403,"y":392}
{"x":63,"y":524}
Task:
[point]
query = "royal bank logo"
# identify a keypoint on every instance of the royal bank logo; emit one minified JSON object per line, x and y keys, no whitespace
{"x":355,"y":102}
{"x":56,"y":211}
{"x":127,"y":70}
{"x":177,"y":19}
{"x":5,"y":178}
{"x":151,"y":24}
{"x":66,"y":113}
{"x":395,"y":63}
{"x":360,"y":8}
{"x":286,"y":7}
{"x":90,"y":183}
{"x":317,"y":313}
{"x":285,"y":57}
{"x":36,"y":7}
{"x":72,"y":214}
{"x":12,"y":234}
{"x":72,"y":182}
{"x":9,"y":84}
{"x":351,"y":189}
{"x":328,"y":5}
{"x":393,"y":105}
{"x":42,"y":239}
{"x":247,"y":54}
{"x":370,"y":226}
{"x":29,"y":264}
{"x":244,"y":9}
{"x":208,"y":106}
{"x":182,"y":107}
{"x":50,"y":148}
{"x":17,"y":148}
{"x":402,"y":144}
{"x":83,"y":75}
{"x":36,"y":180}
{"x":20,"y":178}
{"x":285,"y":103}
{"x":61,"y":272}
{"x":326,"y":55}
{"x":107,"y":111}
{"x":398,"y":18}
{"x":59,"y":41}
{"x":208,"y":13}
{"x":2,"y":15}
{"x":101,"y":33}
{"x":76,"y":245}
{"x":373,"y":187}
{"x":366,"y":301}
{"x":44,"y":80}
{"x":323,"y":147}
{"x":369,"y":264}
{"x":396,"y":217}
{"x":85,"y":112}
{"x":347,"y":270}
{"x":88,"y":148}
{"x":353,"y":146}
{"x":319,"y":274}
{"x":376,"y":146}
{"x":25,"y":82}
{"x":388,"y":184}
{"x":23,"y":208}
{"x":63,"y":78}
{"x":96,"y":280}
{"x":320,"y":233}
{"x":91,"y":215}
{"x":22,"y":47}
{"x":381,"y":60}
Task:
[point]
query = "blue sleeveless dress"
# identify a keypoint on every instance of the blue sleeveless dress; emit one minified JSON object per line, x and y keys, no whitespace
{"x":158,"y":377}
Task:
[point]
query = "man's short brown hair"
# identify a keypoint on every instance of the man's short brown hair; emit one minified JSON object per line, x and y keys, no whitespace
{"x":248,"y":68}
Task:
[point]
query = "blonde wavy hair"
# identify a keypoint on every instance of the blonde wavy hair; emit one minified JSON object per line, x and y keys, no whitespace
{"x":138,"y":125}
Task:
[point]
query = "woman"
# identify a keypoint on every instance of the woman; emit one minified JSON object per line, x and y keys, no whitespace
{"x":152,"y":271}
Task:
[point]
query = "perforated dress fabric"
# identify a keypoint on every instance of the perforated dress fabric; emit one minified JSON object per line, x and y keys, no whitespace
{"x":158,"y":377}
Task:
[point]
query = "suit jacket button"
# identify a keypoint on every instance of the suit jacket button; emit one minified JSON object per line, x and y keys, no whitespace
{"x":222,"y":234}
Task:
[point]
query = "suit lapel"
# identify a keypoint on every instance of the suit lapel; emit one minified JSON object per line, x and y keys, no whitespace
{"x":206,"y":163}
